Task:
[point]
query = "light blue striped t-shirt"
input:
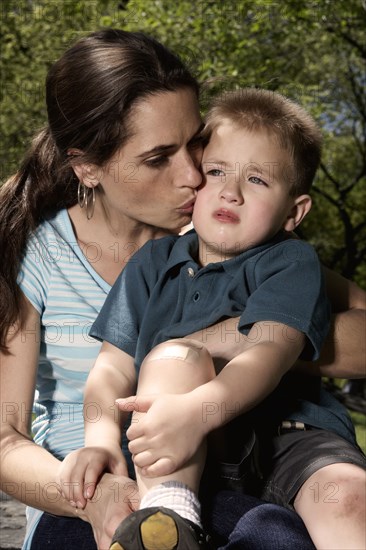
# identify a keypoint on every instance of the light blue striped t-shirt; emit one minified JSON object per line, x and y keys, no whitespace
{"x":60,"y":282}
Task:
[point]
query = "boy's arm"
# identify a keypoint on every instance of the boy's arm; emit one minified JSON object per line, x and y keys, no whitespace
{"x":247,"y":379}
{"x":344,"y":350}
{"x":112,"y":376}
{"x":244,"y":382}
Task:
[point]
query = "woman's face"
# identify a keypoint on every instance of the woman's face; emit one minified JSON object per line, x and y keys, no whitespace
{"x":153,"y":178}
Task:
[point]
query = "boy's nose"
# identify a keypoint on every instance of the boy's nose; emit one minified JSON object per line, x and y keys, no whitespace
{"x":232,"y":193}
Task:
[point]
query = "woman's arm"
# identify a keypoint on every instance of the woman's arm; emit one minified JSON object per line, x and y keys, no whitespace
{"x":343,"y":353}
{"x":28,"y":472}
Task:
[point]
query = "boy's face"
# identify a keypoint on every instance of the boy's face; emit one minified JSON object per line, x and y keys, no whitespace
{"x":244,"y":199}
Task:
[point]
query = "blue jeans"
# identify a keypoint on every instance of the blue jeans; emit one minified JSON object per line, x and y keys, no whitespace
{"x":237,"y":522}
{"x":242,"y":522}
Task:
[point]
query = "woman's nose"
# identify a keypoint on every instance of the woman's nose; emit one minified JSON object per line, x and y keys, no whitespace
{"x":189,"y":173}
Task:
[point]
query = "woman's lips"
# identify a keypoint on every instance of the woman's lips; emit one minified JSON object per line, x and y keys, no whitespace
{"x":226,"y":216}
{"x":187,"y":208}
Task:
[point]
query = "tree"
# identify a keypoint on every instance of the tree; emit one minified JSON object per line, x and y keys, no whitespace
{"x":312,"y":51}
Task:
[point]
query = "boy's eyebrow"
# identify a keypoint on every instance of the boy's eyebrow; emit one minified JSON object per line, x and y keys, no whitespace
{"x":215,"y":161}
{"x":158,"y":149}
{"x":254,"y":165}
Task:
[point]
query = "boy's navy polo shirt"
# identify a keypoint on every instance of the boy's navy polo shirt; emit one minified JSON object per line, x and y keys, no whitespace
{"x":163,"y":293}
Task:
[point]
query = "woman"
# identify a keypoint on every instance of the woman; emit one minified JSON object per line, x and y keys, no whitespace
{"x":116,"y":165}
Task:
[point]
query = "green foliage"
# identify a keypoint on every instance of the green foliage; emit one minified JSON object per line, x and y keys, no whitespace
{"x":310,"y":50}
{"x":359,"y":421}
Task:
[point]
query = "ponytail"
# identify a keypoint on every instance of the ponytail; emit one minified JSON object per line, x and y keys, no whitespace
{"x":44,"y":183}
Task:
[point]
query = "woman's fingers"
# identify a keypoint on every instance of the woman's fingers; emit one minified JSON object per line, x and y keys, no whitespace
{"x":72,"y":484}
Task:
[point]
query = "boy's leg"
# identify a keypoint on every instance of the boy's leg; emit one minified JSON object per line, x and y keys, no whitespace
{"x":322,"y":476}
{"x":174,"y":367}
{"x":332,"y":504}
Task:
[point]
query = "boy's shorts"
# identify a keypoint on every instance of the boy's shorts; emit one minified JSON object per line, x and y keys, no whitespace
{"x":274,"y":467}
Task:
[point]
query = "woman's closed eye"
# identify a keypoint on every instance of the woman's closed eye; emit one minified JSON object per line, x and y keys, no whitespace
{"x":157,"y":162}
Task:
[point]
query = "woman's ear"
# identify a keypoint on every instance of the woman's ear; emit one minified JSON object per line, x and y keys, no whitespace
{"x":87,"y":173}
{"x":299,"y":210}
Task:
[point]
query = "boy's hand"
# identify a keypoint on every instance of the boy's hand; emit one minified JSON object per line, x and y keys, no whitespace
{"x":80,"y":471}
{"x":167,"y":436}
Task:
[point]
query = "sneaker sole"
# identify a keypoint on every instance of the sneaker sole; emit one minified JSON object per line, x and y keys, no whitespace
{"x":158,"y":532}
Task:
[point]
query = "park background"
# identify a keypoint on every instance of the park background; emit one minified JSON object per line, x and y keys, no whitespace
{"x":311,"y":51}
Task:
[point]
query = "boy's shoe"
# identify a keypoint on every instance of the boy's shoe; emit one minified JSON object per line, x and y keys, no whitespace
{"x":158,"y":528}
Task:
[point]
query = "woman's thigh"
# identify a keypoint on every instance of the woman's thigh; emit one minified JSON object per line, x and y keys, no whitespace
{"x":239,"y":521}
{"x":58,"y":533}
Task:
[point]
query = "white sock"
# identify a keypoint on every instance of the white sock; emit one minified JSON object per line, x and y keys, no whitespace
{"x":174,"y":495}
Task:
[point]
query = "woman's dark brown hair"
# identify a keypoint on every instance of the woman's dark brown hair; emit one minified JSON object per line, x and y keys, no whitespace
{"x":90,"y":91}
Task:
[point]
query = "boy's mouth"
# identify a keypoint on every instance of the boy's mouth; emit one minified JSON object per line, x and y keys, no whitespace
{"x":226,"y":216}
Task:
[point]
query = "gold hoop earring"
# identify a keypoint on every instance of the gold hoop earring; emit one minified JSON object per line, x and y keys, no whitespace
{"x":86,"y":199}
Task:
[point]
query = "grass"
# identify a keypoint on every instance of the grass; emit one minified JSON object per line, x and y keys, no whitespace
{"x":359,"y":421}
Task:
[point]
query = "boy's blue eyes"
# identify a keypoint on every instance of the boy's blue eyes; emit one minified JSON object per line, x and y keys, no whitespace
{"x":256,"y":180}
{"x":215,"y":172}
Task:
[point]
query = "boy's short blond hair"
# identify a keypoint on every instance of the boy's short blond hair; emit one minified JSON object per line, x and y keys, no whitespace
{"x":296,"y":131}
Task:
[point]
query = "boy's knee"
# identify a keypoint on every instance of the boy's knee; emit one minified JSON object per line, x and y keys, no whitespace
{"x":176,"y":366}
{"x":341,"y":487}
{"x":350,"y":481}
{"x":180,"y":349}
{"x":343,"y":475}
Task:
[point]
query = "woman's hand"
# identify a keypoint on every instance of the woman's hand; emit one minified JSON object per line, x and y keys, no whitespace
{"x":80,"y":470}
{"x":115,"y":498}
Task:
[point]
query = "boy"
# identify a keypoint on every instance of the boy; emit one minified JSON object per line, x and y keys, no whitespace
{"x":258,"y":167}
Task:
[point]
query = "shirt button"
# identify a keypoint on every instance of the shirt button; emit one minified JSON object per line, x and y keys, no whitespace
{"x":196,"y":296}
{"x":190,"y":272}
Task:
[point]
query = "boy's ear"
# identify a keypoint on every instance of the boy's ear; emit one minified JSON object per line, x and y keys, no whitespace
{"x":86,"y":173}
{"x":299,"y":210}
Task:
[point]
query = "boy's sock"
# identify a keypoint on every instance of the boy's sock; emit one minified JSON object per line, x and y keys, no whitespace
{"x":174,"y":495}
